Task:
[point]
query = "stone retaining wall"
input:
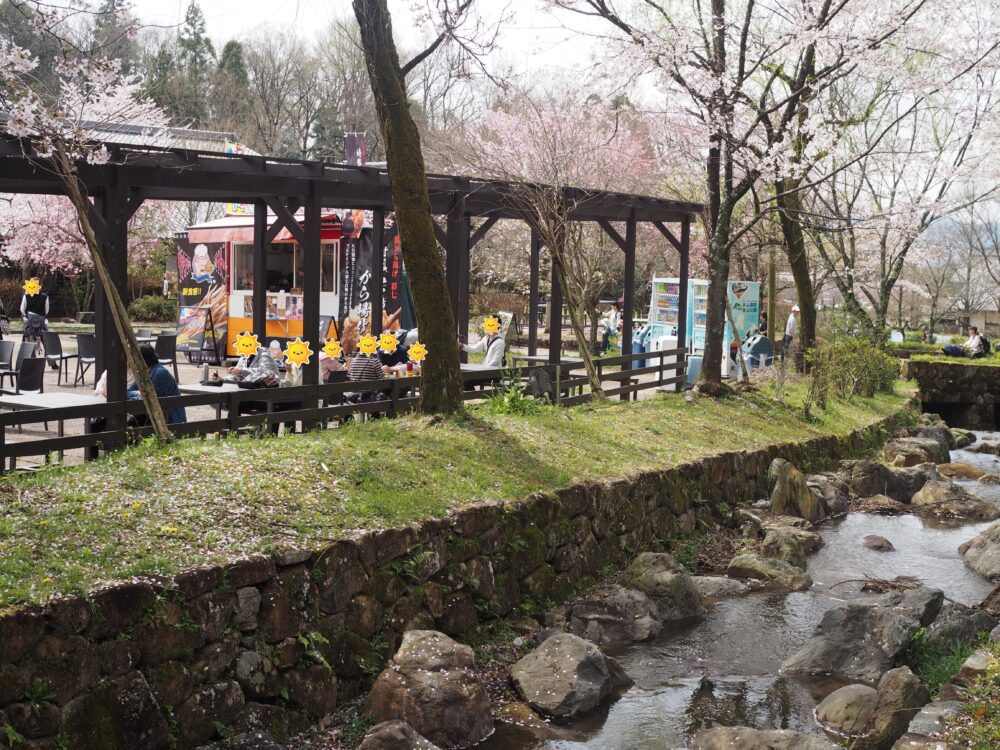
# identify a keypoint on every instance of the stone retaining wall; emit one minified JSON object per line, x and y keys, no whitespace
{"x":276,"y":641}
{"x":964,"y":395}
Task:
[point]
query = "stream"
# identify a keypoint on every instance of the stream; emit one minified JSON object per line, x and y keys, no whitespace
{"x":723,"y":670}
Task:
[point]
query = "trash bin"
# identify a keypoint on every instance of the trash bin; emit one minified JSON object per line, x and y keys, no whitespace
{"x":758,"y":351}
{"x":640,"y":345}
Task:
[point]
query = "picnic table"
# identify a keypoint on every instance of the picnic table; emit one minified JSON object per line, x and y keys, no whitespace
{"x":55,"y":400}
{"x":198,"y":388}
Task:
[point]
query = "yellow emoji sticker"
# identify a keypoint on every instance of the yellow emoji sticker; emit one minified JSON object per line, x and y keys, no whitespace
{"x":246,"y":344}
{"x":333,"y":349}
{"x":491,"y":325}
{"x":32,"y":287}
{"x":387,"y":342}
{"x":417,"y":352}
{"x":367,"y":345}
{"x":297,"y":353}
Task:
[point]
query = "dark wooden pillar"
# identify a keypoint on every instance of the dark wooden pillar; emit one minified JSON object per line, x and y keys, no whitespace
{"x":453,"y":254}
{"x":464,"y":276}
{"x":259,"y":271}
{"x":628,"y":303}
{"x":110,"y":353}
{"x":378,"y":268}
{"x":310,"y":291}
{"x":536,"y":246}
{"x":555,"y":317}
{"x":682,"y":302}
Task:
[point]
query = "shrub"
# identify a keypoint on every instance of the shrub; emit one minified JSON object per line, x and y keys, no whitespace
{"x":850,"y":367}
{"x":153,"y":309}
{"x":509,"y":397}
{"x":938,"y":663}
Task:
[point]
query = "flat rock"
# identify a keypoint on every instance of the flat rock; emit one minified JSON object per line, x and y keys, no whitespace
{"x":960,"y":470}
{"x":775,"y":573}
{"x":744,"y":738}
{"x":913,"y":451}
{"x":718,"y":587}
{"x":973,"y":667}
{"x":790,"y":544}
{"x":932,"y":717}
{"x":945,"y":499}
{"x":566,"y":676}
{"x":867,"y":478}
{"x":911,"y":741}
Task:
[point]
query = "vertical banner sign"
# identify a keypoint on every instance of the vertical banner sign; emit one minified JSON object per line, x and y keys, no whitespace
{"x":392,"y":284}
{"x":355,"y":152}
{"x":363,"y":270}
{"x":201,"y":282}
{"x":744,"y":298}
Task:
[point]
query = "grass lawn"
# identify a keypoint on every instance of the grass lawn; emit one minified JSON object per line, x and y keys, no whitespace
{"x":993,"y":360}
{"x":152,"y":509}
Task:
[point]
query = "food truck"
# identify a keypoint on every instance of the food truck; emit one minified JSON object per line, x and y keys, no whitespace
{"x":215,"y":282}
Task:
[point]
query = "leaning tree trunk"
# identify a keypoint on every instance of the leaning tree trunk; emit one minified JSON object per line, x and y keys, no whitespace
{"x":576,"y":319}
{"x":441,"y":382}
{"x":789,"y":210}
{"x":77,"y":195}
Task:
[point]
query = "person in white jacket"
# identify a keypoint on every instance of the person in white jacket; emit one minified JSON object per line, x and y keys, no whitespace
{"x":494,"y":346}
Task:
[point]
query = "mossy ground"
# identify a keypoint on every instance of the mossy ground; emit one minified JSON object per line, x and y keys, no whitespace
{"x":157,"y":509}
{"x":978,"y":726}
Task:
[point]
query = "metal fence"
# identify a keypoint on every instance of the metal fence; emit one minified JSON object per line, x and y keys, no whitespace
{"x":109,"y":426}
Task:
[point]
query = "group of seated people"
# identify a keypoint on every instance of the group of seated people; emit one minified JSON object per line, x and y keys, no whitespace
{"x":976,"y":346}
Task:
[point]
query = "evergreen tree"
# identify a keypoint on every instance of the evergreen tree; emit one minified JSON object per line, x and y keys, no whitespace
{"x":196,"y":49}
{"x":110,"y":36}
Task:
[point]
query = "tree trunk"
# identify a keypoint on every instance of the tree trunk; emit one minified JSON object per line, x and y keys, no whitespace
{"x":126,"y":335}
{"x":576,"y":321}
{"x":789,"y":210}
{"x":715,"y":322}
{"x":441,"y":381}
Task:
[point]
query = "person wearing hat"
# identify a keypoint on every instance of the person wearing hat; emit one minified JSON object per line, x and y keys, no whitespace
{"x":790,"y":325}
{"x":201,"y":265}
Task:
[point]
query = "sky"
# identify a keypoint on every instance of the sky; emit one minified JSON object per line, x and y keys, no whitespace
{"x":532,"y":39}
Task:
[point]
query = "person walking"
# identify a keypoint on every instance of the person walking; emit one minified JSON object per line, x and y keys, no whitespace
{"x":34,"y":310}
{"x":790,"y":327}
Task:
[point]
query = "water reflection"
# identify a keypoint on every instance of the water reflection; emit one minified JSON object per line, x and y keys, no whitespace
{"x":723,"y":670}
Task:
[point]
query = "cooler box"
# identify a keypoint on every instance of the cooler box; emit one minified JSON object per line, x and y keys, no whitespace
{"x":660,"y":344}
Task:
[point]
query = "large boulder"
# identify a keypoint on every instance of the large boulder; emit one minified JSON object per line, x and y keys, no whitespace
{"x":961,"y":470}
{"x":913,"y":451}
{"x":991,"y":603}
{"x":394,"y":735}
{"x":963,"y":438}
{"x":901,"y":695}
{"x":940,"y":433}
{"x":431,"y":684}
{"x":945,"y":499}
{"x":776,"y":574}
{"x":958,"y":624}
{"x":832,"y":490}
{"x":566,"y":676}
{"x":990,"y":449}
{"x":982,"y":553}
{"x":614,"y":616}
{"x":790,"y":494}
{"x":867,"y":478}
{"x":744,"y":738}
{"x":848,"y":710}
{"x":857,"y":641}
{"x":667,"y":583}
{"x":790,"y":544}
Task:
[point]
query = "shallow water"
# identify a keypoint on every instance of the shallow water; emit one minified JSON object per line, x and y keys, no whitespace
{"x":724,"y":669}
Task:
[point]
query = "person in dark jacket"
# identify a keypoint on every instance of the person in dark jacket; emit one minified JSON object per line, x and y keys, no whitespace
{"x":163,"y":383}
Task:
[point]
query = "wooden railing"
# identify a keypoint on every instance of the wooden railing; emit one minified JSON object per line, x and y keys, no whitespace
{"x":106,"y":427}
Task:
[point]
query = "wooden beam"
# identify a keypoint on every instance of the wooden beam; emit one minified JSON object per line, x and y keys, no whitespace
{"x":682,"y":301}
{"x":533,"y":264}
{"x":311,"y":238}
{"x":260,"y":270}
{"x":668,"y":234}
{"x":628,"y":303}
{"x":284,"y":217}
{"x":481,"y":230}
{"x":440,"y":234}
{"x":612,"y":232}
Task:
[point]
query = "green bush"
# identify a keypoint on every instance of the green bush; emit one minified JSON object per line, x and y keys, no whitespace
{"x":153,"y":309}
{"x":509,"y":397}
{"x":938,"y":663}
{"x":850,"y":367}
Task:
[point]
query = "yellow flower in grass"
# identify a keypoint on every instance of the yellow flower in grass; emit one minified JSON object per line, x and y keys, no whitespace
{"x":168,"y":529}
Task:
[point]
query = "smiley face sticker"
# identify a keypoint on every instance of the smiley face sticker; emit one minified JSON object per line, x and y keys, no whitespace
{"x":32,"y":287}
{"x":246,"y":344}
{"x":367,"y":345}
{"x":417,"y":352}
{"x":387,"y":342}
{"x":491,"y":325}
{"x":297,"y":353}
{"x":333,"y":349}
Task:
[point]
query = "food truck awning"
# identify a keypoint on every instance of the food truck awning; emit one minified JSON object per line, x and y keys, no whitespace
{"x":240,"y":228}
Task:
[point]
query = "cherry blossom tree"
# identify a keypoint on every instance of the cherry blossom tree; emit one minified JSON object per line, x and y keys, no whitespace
{"x":57,"y":126}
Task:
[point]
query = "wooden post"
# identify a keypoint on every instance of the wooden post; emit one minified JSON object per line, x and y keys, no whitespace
{"x":110,"y":353}
{"x":536,"y":246}
{"x":259,"y":271}
{"x":682,"y":302}
{"x":464,"y":274}
{"x":555,"y":317}
{"x":628,"y":303}
{"x":313,"y":269}
{"x":453,"y":256}
{"x":378,"y":268}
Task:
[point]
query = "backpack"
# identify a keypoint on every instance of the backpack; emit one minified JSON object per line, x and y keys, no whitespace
{"x":984,"y":345}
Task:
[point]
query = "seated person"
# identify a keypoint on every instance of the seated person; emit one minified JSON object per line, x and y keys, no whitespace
{"x":493,"y":344}
{"x":366,"y":367}
{"x":279,"y":356}
{"x":973,"y":347}
{"x":329,"y":365}
{"x":260,"y":368}
{"x":163,"y":383}
{"x":399,"y":357}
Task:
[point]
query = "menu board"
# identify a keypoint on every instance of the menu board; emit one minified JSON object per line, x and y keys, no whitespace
{"x":192,"y":324}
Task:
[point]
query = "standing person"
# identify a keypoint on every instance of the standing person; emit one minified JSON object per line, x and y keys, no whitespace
{"x":762,"y":323}
{"x":610,"y":324}
{"x":790,"y":326}
{"x":494,"y":346}
{"x":35,"y":311}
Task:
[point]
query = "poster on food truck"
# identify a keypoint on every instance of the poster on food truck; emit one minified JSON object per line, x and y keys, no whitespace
{"x":356,"y":267}
{"x":202,"y":269}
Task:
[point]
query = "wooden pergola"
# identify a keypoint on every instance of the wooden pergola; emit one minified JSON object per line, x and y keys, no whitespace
{"x":469,"y":207}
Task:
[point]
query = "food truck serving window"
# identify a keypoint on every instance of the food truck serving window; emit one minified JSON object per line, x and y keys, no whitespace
{"x":243,"y":267}
{"x":285,"y":267}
